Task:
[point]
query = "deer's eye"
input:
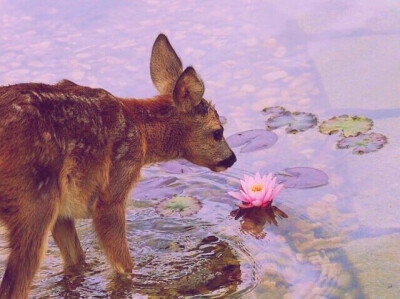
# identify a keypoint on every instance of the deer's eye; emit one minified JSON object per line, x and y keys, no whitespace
{"x":218,"y":134}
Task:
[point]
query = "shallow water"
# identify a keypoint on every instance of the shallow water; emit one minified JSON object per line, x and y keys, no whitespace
{"x":327,"y":58}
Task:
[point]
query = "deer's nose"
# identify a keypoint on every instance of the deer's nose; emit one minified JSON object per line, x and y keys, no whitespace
{"x":228,"y":162}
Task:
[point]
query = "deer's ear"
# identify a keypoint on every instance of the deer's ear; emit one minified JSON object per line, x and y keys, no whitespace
{"x":165,"y":65}
{"x":189,"y":90}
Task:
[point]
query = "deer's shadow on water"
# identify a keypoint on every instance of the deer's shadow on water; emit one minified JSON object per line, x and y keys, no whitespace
{"x":253,"y":221}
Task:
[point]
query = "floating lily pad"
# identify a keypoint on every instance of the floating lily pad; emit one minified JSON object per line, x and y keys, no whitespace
{"x":295,"y":122}
{"x":182,"y":205}
{"x":273,"y":111}
{"x":302,"y":122}
{"x":363,"y":143}
{"x":176,"y":167}
{"x":278,"y":121}
{"x":302,"y":177}
{"x":253,"y":140}
{"x":157,"y":188}
{"x":349,"y":125}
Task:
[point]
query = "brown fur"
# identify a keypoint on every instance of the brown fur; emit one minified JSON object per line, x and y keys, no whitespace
{"x":68,"y":151}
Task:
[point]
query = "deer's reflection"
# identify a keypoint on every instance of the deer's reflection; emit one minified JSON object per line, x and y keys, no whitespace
{"x":254,"y":220}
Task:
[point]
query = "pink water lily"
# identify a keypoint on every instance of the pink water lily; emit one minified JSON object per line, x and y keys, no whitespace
{"x":258,"y":191}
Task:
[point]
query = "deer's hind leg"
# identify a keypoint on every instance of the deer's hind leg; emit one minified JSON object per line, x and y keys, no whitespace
{"x":66,"y":238}
{"x":28,"y":229}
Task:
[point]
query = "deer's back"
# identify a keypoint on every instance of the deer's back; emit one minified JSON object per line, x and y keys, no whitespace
{"x":65,"y":116}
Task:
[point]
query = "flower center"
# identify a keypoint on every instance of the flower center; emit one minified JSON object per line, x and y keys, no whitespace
{"x":256,"y":188}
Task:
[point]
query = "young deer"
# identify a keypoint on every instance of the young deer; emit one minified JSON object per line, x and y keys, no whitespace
{"x":69,"y":151}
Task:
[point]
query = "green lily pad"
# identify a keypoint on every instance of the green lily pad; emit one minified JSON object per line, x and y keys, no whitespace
{"x":363,"y":143}
{"x":295,"y":122}
{"x":182,"y":205}
{"x":349,"y":125}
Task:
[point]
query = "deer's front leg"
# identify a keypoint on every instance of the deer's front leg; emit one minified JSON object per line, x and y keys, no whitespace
{"x":109,"y":222}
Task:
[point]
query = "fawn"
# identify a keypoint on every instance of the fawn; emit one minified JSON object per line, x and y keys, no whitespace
{"x":69,"y":151}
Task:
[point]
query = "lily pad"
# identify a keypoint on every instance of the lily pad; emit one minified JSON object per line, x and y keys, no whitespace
{"x":302,"y":177}
{"x":302,"y":122}
{"x":363,"y":143}
{"x":273,"y":111}
{"x":349,"y":125}
{"x":176,"y":167}
{"x":157,"y":188}
{"x":295,"y":122}
{"x":253,"y":140}
{"x":182,"y":205}
{"x":278,"y":121}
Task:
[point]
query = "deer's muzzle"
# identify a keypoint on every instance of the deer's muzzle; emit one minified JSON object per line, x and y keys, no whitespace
{"x":228,"y":162}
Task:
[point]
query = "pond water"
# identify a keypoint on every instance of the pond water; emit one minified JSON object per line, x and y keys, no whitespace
{"x":328,"y":58}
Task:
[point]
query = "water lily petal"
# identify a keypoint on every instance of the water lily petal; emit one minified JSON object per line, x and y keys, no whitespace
{"x":257,"y":191}
{"x":264,"y":180}
{"x":246,"y":197}
{"x":257,"y":195}
{"x":257,"y":203}
{"x":273,"y":182}
{"x":277,"y":189}
{"x":267,"y":196}
{"x":252,"y":182}
{"x":244,"y":186}
{"x":260,"y":195}
{"x":263,"y":192}
{"x":252,"y":194}
{"x":237,"y":195}
{"x":268,"y":181}
{"x":272,"y":185}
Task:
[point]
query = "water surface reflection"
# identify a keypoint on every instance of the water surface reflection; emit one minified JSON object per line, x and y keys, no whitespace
{"x":254,"y":220}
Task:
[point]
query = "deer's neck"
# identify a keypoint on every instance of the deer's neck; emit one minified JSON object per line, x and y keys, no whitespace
{"x":159,"y":128}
